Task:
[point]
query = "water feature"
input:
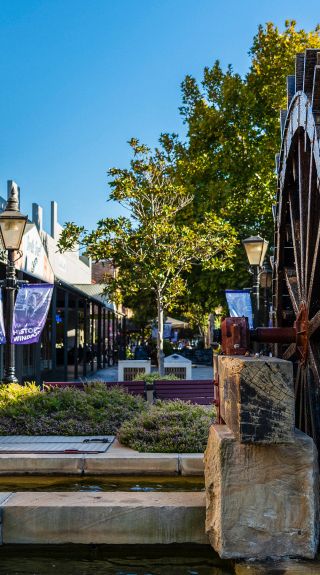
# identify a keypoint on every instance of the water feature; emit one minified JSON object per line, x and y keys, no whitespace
{"x":100,"y":483}
{"x":106,"y":560}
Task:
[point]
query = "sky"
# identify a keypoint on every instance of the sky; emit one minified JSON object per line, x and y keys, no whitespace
{"x":79,"y":78}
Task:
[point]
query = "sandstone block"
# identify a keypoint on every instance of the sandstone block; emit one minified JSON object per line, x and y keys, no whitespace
{"x":262,"y":500}
{"x":257,"y":398}
{"x":116,"y":518}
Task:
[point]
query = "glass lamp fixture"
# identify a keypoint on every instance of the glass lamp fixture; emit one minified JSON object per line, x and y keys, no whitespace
{"x":256,"y":249}
{"x":12,"y":224}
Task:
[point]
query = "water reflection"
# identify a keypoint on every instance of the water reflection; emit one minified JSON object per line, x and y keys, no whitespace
{"x":106,"y":560}
{"x":100,"y":483}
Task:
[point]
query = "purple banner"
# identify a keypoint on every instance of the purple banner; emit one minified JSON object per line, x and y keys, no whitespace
{"x":2,"y":330}
{"x":30,"y":313}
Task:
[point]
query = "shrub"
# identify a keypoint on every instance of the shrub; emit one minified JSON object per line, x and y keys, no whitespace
{"x":168,"y":427}
{"x":149,"y":378}
{"x":26,"y":410}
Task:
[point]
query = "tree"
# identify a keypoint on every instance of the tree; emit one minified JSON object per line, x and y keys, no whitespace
{"x":233,"y":134}
{"x":150,"y":249}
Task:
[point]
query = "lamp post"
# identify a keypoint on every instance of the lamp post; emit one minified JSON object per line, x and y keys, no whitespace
{"x":12,"y":226}
{"x":256,"y":249}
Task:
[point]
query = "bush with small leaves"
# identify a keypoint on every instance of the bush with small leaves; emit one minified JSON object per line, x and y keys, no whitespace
{"x":168,"y":427}
{"x":26,"y":410}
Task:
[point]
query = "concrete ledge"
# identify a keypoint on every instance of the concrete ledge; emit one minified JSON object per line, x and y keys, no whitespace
{"x":104,"y":518}
{"x":191,"y":464}
{"x":117,"y":460}
{"x":138,"y":464}
{"x":40,"y":464}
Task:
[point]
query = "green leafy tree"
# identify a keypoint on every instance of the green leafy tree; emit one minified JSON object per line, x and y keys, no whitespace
{"x":150,"y":249}
{"x":233,"y":134}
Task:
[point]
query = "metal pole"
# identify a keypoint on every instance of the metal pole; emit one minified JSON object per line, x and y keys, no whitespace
{"x":10,"y":285}
{"x":65,"y":335}
{"x":76,"y":339}
{"x":85,"y":337}
{"x":256,"y":295}
{"x":104,"y":350}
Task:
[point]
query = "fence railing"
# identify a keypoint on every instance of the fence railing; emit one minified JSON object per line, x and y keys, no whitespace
{"x":197,"y":391}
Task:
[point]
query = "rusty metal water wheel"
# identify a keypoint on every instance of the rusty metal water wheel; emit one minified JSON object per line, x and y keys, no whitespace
{"x":297,"y":238}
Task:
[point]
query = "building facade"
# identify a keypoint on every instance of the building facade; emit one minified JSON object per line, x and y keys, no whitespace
{"x":84,"y":332}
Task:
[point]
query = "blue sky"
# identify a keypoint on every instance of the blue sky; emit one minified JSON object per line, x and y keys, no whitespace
{"x":80,"y":77}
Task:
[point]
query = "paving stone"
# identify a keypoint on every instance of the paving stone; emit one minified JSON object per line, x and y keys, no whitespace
{"x":257,"y":398}
{"x":262,"y":500}
{"x":104,"y":518}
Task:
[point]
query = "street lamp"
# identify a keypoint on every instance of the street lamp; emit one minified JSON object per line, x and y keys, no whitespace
{"x":12,"y":226}
{"x":256,"y":249}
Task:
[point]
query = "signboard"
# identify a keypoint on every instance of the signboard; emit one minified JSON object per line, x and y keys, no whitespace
{"x":167,"y":327}
{"x":30,"y":313}
{"x":34,"y":260}
{"x":239,"y":304}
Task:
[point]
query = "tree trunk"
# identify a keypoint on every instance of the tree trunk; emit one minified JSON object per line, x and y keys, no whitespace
{"x":160,"y":353}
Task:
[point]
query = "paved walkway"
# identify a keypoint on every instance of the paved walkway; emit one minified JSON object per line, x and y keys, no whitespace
{"x":111,"y":373}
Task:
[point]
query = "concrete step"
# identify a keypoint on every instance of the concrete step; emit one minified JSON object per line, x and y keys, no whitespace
{"x":122,"y":518}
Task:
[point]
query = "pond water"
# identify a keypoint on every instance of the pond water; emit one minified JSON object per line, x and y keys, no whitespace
{"x":105,"y":560}
{"x":100,"y":483}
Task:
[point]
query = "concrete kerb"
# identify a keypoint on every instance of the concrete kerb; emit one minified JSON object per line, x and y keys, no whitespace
{"x":116,"y":461}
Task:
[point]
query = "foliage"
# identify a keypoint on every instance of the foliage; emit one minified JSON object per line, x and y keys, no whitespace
{"x":151,"y":250}
{"x":168,"y":427}
{"x":233,"y":136}
{"x":25,"y":410}
{"x":149,"y":378}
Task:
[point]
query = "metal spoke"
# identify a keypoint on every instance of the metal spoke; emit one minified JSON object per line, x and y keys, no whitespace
{"x":290,"y":351}
{"x":308,"y":237}
{"x":296,"y":383}
{"x":311,"y":407}
{"x":313,"y":268}
{"x":302,"y":210}
{"x":314,"y":362}
{"x":291,"y":281}
{"x":295,"y":232}
{"x":314,"y":323}
{"x":300,"y":400}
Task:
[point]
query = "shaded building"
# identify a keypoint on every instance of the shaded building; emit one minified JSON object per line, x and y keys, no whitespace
{"x":84,"y":331}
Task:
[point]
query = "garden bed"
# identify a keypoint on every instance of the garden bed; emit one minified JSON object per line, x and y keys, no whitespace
{"x":166,"y":427}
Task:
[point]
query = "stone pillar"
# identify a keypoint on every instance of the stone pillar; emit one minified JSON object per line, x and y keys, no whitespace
{"x":262,"y":479}
{"x":262,"y":500}
{"x":257,"y":398}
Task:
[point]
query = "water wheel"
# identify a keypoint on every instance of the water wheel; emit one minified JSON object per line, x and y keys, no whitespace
{"x":297,"y":237}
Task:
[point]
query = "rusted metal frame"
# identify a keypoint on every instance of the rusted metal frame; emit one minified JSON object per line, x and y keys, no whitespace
{"x":313,"y":267}
{"x":314,"y":323}
{"x":295,"y":231}
{"x":309,"y":217}
{"x":273,"y":334}
{"x":303,"y":168}
{"x":311,"y":410}
{"x":292,"y":293}
{"x":290,"y":351}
